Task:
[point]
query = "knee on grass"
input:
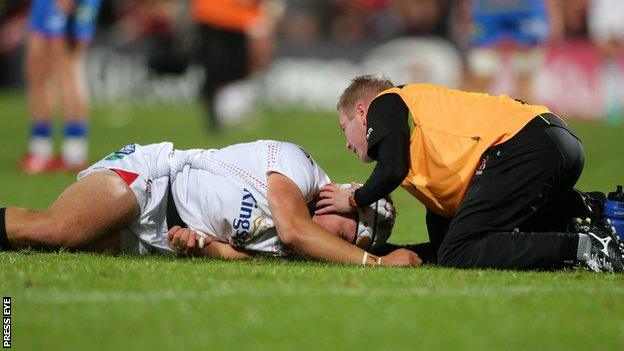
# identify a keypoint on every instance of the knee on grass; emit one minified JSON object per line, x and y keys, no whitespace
{"x":453,"y":258}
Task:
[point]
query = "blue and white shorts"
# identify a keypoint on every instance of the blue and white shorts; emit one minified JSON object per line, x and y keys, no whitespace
{"x":524,"y":23}
{"x":48,"y":20}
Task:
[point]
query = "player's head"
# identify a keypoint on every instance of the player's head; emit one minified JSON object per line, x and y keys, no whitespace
{"x":368,"y":227}
{"x":353,"y":107}
{"x":342,"y":225}
{"x":375,"y":223}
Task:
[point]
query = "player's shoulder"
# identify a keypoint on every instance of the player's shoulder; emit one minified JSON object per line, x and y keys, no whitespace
{"x":287,"y":149}
{"x":296,"y":163}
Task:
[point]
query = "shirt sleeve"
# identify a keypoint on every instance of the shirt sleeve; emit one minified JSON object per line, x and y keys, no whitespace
{"x":388,"y":144}
{"x":387,"y":114}
{"x":392,"y":167}
{"x":296,"y":164}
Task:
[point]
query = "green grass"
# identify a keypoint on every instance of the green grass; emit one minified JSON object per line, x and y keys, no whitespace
{"x":67,"y":301}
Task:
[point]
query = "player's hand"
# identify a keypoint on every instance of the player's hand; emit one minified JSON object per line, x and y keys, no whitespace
{"x":401,"y":257}
{"x":333,"y":199}
{"x":186,"y":242}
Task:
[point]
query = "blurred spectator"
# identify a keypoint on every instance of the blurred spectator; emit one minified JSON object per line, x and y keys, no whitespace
{"x":349,"y":21}
{"x":508,"y":32}
{"x":423,"y":17}
{"x":575,"y":18}
{"x":13,"y":17}
{"x":352,"y":21}
{"x":136,"y":21}
{"x":170,"y":40}
{"x":59,"y":34}
{"x":606,"y":28}
{"x":304,"y":23}
{"x":236,"y":41}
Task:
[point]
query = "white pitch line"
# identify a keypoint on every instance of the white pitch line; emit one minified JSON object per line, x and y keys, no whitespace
{"x":102,"y":296}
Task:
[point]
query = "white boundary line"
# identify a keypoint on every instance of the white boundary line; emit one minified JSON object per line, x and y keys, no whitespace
{"x":102,"y":296}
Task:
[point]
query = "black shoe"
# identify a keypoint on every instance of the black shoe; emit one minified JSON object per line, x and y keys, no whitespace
{"x":607,"y":251}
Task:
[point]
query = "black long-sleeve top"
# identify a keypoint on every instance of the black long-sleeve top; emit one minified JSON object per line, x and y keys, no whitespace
{"x":388,"y":144}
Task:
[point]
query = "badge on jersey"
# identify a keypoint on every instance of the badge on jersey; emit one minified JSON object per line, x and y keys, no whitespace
{"x":242,"y":224}
{"x":482,"y":165}
{"x":307,"y":154}
{"x":250,"y":221}
{"x":119,"y":154}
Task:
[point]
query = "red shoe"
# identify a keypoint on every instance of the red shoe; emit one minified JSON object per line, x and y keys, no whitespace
{"x":35,"y":164}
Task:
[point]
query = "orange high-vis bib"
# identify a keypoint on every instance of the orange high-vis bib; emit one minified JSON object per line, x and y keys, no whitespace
{"x":452,"y":129}
{"x":235,"y":15}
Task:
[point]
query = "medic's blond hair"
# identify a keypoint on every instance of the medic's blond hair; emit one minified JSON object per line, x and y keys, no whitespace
{"x":363,"y":87}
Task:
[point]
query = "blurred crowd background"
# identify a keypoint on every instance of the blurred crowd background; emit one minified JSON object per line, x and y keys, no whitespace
{"x":302,"y":53}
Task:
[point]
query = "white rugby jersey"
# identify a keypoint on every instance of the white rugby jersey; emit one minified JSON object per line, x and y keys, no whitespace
{"x":223,"y":193}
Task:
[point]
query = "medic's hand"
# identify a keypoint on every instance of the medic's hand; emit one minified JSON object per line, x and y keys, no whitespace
{"x":333,"y":199}
{"x":186,"y":242}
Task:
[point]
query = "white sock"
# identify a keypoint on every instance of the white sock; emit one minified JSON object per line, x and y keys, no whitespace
{"x":74,"y":151}
{"x":40,"y":146}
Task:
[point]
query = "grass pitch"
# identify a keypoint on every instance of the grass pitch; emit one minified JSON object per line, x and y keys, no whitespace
{"x":69,"y":301}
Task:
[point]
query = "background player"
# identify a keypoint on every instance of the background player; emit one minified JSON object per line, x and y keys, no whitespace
{"x":250,"y":197}
{"x":508,"y":32}
{"x":60,"y":31}
{"x":236,"y":41}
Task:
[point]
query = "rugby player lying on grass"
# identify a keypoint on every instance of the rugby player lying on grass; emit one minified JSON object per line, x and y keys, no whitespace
{"x":236,"y":201}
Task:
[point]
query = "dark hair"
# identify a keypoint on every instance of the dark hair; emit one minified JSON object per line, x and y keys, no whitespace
{"x":363,"y":87}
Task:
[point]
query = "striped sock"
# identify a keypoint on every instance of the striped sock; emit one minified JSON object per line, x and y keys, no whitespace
{"x":76,"y":129}
{"x":74,"y":148}
{"x":40,"y":143}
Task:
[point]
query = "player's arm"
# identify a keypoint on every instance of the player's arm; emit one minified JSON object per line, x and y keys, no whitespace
{"x":296,"y":229}
{"x":388,"y":144}
{"x":186,"y":242}
{"x":224,"y":251}
{"x":392,"y":166}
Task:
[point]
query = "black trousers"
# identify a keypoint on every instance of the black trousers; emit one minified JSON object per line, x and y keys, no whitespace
{"x":224,"y":57}
{"x":517,"y":209}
